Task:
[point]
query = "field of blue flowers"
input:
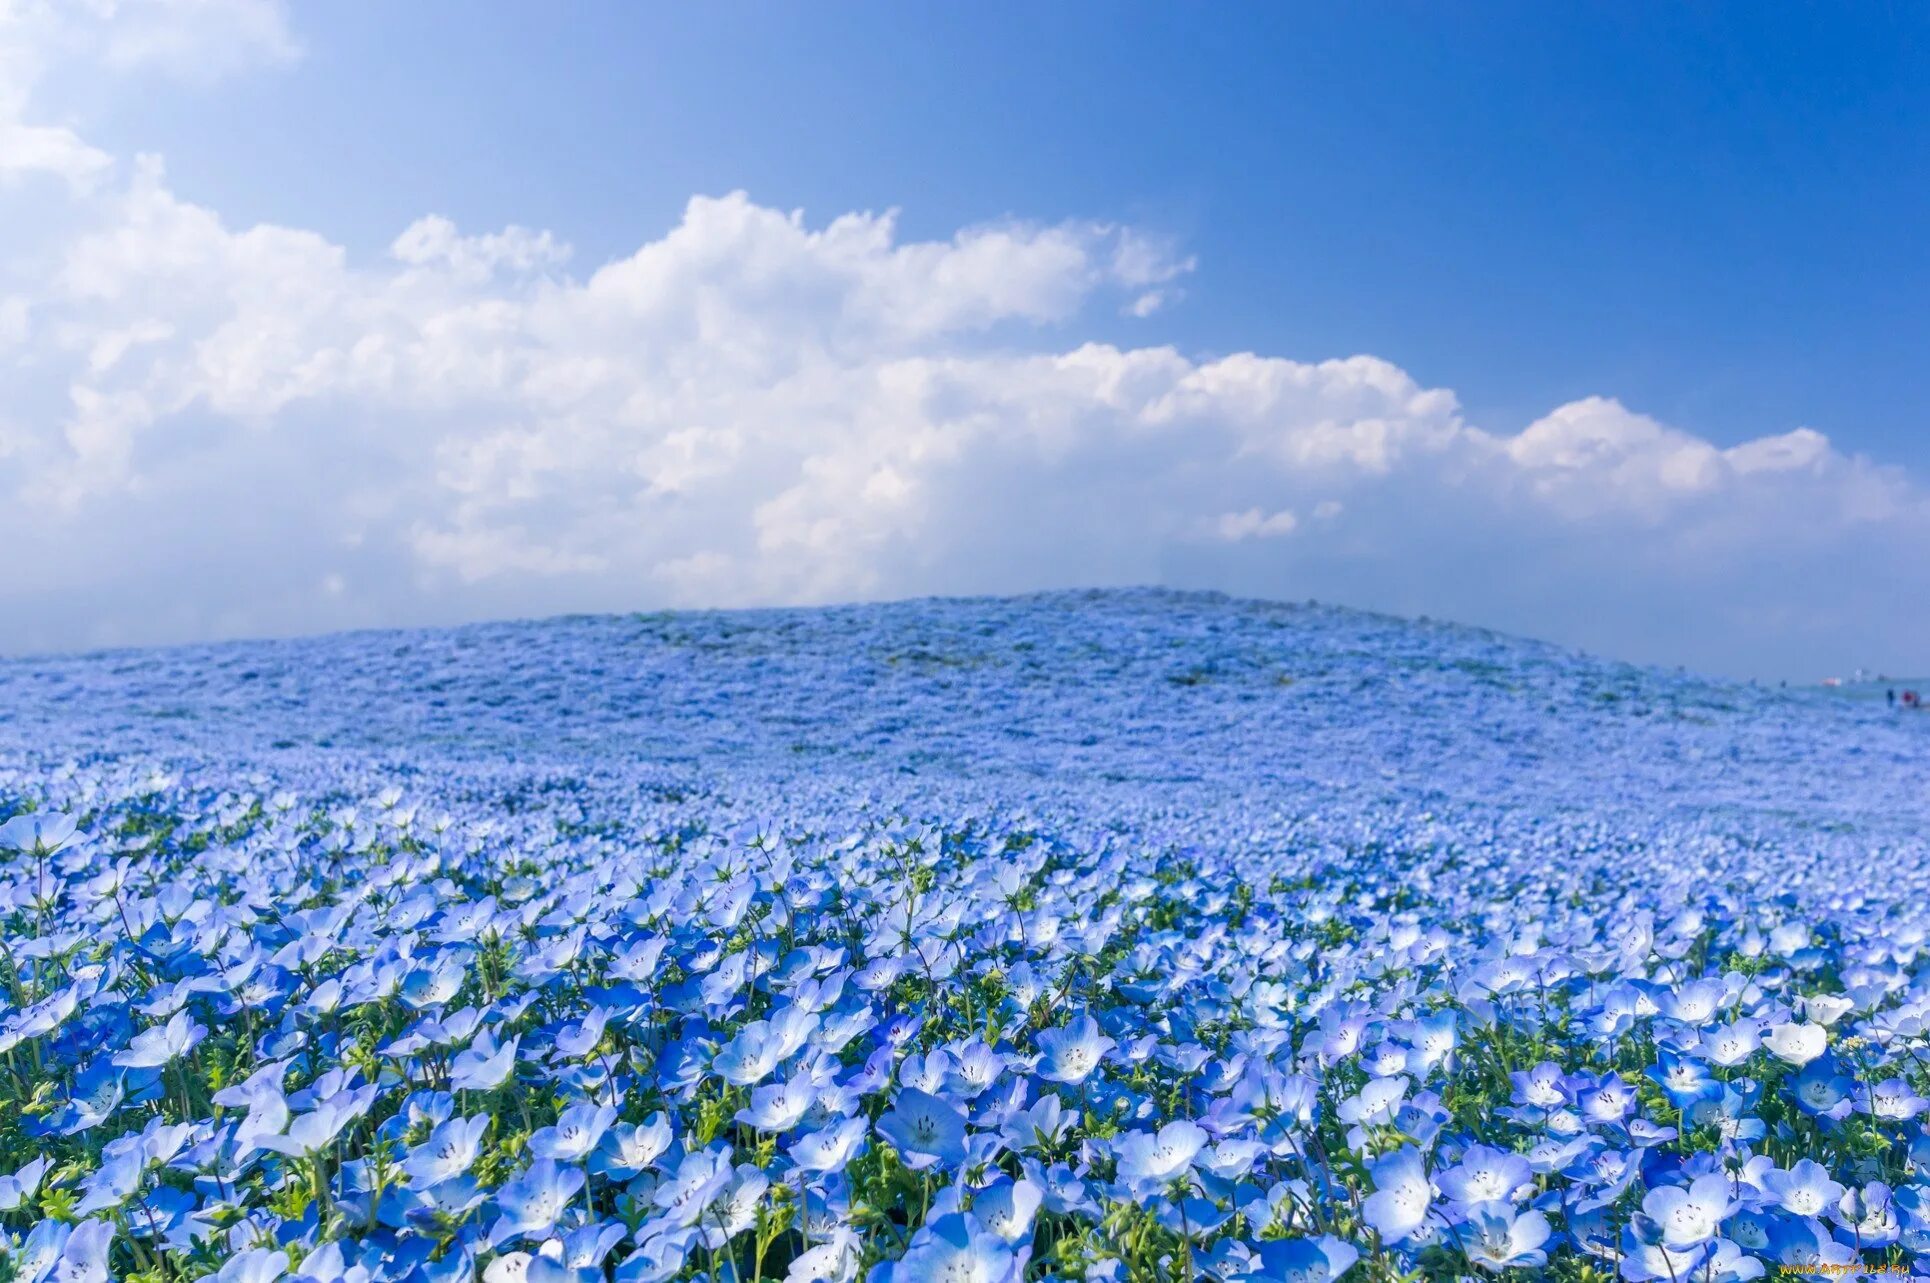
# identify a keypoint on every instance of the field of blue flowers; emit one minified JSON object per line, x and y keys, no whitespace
{"x":1116,"y":936}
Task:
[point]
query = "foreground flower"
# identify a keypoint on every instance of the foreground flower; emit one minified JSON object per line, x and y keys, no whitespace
{"x":924,"y":1130}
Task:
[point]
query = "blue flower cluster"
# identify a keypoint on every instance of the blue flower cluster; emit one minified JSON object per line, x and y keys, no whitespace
{"x":1110,"y":936}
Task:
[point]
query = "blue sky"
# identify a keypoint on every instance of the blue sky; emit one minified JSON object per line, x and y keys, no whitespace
{"x":1638,"y":288}
{"x":1712,"y":212}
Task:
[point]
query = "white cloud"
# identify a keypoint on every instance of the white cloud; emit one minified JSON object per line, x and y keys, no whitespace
{"x":1255,"y":524}
{"x":196,"y":40}
{"x":213,"y":429}
{"x":48,"y":149}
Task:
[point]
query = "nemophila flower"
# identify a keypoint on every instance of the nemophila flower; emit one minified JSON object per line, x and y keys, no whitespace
{"x":929,"y":1073}
{"x":1870,"y":1214}
{"x":255,"y":1265}
{"x":1422,"y":1118}
{"x":485,"y":1065}
{"x":318,"y":1128}
{"x":99,"y":1091}
{"x":1802,"y":1245}
{"x":1375,"y":1104}
{"x":644,"y":937}
{"x":453,"y":1027}
{"x":580,"y":1038}
{"x":659,"y":1256}
{"x":1826,"y":1008}
{"x":509,"y":1267}
{"x":1607,"y":1174}
{"x":1540,"y":1087}
{"x":1683,"y":1079}
{"x":114,"y":1181}
{"x":838,"y":1027}
{"x":700,"y":1178}
{"x":1498,"y":1237}
{"x":1752,"y":1230}
{"x":1007,"y":1208}
{"x":830,"y":1148}
{"x":1607,"y":1099}
{"x":1732,"y":1044}
{"x":1823,"y":1091}
{"x":924,"y":1129}
{"x":833,"y":1259}
{"x":1729,"y":1263}
{"x":1891,"y":1100}
{"x":39,"y":1019}
{"x":1070,"y":1053}
{"x":1694,"y":1003}
{"x":1804,"y":1190}
{"x":531,"y":1201}
{"x":586,"y":1246}
{"x":1644,"y":1260}
{"x":36,"y":1258}
{"x":1797,"y":1044}
{"x":1692,"y":1216}
{"x":951,"y":1249}
{"x":1484,"y":1175}
{"x":1386,"y":1059}
{"x":626,"y":1150}
{"x":1340,"y":1033}
{"x":68,"y":1255}
{"x":38,"y":833}
{"x":1159,"y":1158}
{"x":433,"y":984}
{"x":638,"y":960}
{"x":18,"y":1187}
{"x":778,"y":1107}
{"x":542,"y":1269}
{"x":899,"y":1030}
{"x":434,"y":1208}
{"x":752,"y":1056}
{"x":1304,"y":1260}
{"x":1402,"y":1195}
{"x":161,"y":1044}
{"x":577,"y":1131}
{"x":449,"y":1151}
{"x":1432,"y":1039}
{"x":977,"y":1067}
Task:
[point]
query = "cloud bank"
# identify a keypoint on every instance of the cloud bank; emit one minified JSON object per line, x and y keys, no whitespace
{"x":210,"y":430}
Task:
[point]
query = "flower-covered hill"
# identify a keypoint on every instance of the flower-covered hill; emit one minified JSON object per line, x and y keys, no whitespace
{"x":1102,"y":935}
{"x":1193,"y":699}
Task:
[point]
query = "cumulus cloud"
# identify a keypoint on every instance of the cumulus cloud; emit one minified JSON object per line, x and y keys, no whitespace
{"x":209,"y":429}
{"x":195,"y":40}
{"x":1255,"y":524}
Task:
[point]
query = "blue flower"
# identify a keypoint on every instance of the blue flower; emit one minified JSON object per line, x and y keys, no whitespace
{"x":577,"y":1132}
{"x":1804,"y":1190}
{"x":830,"y":1148}
{"x":952,"y":1247}
{"x":1402,"y":1195}
{"x":627,"y":1150}
{"x":925,"y":1130}
{"x":1497,"y":1237}
{"x":162,"y":1044}
{"x":1484,"y":1175}
{"x":1305,"y":1260}
{"x":449,"y":1151}
{"x":256,"y":1265}
{"x":1146,"y":1158}
{"x":531,"y":1202}
{"x":1693,"y":1216}
{"x":484,"y":1066}
{"x":1071,"y":1053}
